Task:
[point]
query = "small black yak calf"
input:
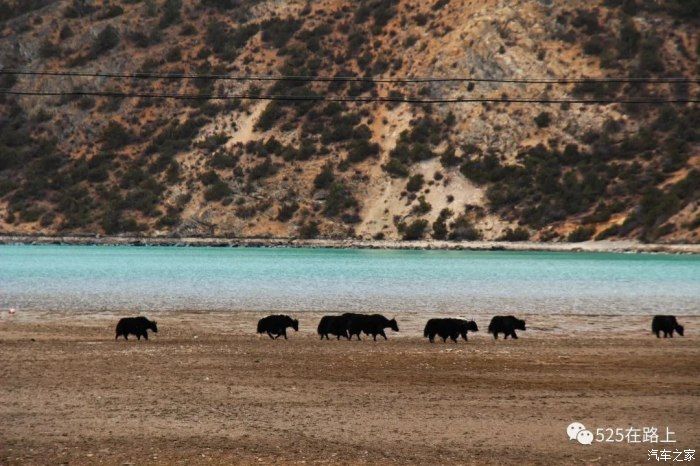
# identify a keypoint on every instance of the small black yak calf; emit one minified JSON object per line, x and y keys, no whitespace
{"x":666,"y":324}
{"x":334,"y":325}
{"x":506,"y":325}
{"x":370,"y":324}
{"x":449,"y":328}
{"x":277,"y":325}
{"x":138,"y":326}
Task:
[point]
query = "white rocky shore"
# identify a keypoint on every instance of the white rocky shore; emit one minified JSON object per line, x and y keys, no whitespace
{"x":587,"y":246}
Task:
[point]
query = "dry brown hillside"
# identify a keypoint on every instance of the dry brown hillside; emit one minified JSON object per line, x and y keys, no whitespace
{"x":91,"y":164}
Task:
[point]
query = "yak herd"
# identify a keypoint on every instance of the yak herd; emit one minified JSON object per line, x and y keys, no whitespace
{"x":350,"y":325}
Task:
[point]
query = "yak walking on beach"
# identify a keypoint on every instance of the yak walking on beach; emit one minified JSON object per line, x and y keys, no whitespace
{"x":138,"y":326}
{"x":369,"y":324}
{"x":666,"y":324}
{"x":277,"y":325}
{"x":334,"y":325}
{"x":507,"y":325}
{"x":449,"y":328}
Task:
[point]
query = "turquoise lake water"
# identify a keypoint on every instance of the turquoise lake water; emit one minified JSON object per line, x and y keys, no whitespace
{"x":93,"y":278}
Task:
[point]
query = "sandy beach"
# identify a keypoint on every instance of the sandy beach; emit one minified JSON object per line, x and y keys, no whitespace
{"x":206,"y":389}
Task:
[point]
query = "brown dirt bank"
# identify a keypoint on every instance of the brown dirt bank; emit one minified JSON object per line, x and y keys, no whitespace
{"x":206,"y":390}
{"x":587,"y":246}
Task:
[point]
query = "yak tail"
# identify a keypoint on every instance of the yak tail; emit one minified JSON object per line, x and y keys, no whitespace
{"x":490,"y":330}
{"x":425,"y":330}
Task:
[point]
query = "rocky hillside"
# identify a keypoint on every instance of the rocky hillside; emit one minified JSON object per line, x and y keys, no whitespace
{"x":557,"y":172}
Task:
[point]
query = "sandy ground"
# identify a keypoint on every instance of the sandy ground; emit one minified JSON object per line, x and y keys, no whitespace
{"x":206,"y":390}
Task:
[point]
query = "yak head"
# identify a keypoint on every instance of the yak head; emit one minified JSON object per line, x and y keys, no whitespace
{"x":295,"y":325}
{"x":520,"y":324}
{"x":471,"y":326}
{"x":679,"y":329}
{"x":393,"y":325}
{"x":152,"y":325}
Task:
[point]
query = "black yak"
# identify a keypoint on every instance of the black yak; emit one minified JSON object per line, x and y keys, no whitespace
{"x":335,"y":325}
{"x":506,"y":325}
{"x":369,"y":324}
{"x":138,"y":326}
{"x":277,"y":325}
{"x":666,"y":324}
{"x":449,"y":328}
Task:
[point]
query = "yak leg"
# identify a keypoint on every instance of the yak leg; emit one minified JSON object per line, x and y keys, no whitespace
{"x":658,"y":334}
{"x":284,"y":332}
{"x":453,"y":338}
{"x":383,"y":334}
{"x":513,"y":334}
{"x":117,"y":337}
{"x":269,"y":334}
{"x":125,"y":336}
{"x":374,"y":335}
{"x":464,"y":335}
{"x":145,"y":335}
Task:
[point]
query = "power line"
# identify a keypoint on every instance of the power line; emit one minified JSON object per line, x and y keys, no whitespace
{"x":325,"y":98}
{"x":428,"y":79}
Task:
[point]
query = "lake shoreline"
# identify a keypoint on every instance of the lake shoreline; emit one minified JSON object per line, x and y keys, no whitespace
{"x":587,"y":246}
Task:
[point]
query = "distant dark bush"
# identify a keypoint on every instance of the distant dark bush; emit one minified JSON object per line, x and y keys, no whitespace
{"x":79,"y":8}
{"x":361,"y":149}
{"x":414,"y":230}
{"x":580,"y":234}
{"x":171,"y":13}
{"x":415,"y":183}
{"x":287,"y":210}
{"x":115,"y":136}
{"x":220,"y":4}
{"x":542,"y":120}
{"x":339,"y":199}
{"x":278,"y":31}
{"x":262,"y":170}
{"x":48,"y":49}
{"x":325,"y":177}
{"x":448,"y":157}
{"x":517,"y":234}
{"x":217,"y":191}
{"x":273,"y":112}
{"x":396,"y":168}
{"x":174,"y":55}
{"x":112,"y":11}
{"x":308,"y":230}
{"x":628,"y":42}
{"x":106,"y":40}
{"x":222,"y":160}
{"x":650,"y":57}
{"x":440,"y":224}
{"x":464,"y":230}
{"x":423,"y":206}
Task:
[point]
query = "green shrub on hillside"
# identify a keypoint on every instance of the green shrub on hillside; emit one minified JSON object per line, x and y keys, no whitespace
{"x":582,"y":233}
{"x":414,"y":230}
{"x":415,"y":183}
